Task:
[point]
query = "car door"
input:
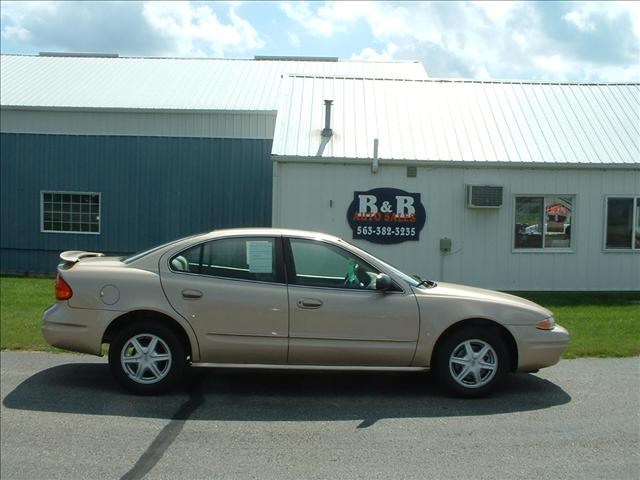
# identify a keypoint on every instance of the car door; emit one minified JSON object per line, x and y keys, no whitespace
{"x":337,"y":317}
{"x":232,"y":292}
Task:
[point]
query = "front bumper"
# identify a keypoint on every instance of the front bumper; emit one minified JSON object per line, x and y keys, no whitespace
{"x":539,"y":348}
{"x":75,"y":329}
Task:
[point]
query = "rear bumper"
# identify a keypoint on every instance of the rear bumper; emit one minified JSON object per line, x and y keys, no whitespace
{"x":539,"y":348}
{"x":75,"y":329}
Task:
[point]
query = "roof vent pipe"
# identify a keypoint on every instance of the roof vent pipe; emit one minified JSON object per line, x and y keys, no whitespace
{"x":327,"y":132}
{"x":375,"y":163}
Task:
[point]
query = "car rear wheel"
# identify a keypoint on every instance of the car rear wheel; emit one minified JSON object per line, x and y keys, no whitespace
{"x":472,"y":362}
{"x":147,"y":359}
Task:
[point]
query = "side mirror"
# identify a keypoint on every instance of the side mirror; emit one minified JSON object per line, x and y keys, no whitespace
{"x":383,"y":282}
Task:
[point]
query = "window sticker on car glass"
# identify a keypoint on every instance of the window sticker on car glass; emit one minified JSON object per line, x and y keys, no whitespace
{"x":260,"y":256}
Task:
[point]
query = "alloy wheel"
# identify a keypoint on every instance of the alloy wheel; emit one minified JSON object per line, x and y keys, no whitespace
{"x":146,"y":358}
{"x":473,"y":363}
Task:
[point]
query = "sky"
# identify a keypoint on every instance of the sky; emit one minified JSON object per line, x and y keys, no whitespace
{"x":563,"y":41}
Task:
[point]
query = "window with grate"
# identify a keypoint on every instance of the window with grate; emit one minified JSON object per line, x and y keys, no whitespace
{"x":70,"y":212}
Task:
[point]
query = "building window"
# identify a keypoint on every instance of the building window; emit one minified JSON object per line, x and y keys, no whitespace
{"x":622,"y":223}
{"x":70,"y":212}
{"x":543,"y":222}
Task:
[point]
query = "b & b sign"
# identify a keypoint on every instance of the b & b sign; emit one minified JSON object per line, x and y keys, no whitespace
{"x":386,"y":215}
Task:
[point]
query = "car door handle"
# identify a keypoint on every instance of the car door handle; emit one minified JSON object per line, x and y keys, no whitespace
{"x":191,"y":294}
{"x":309,"y":303}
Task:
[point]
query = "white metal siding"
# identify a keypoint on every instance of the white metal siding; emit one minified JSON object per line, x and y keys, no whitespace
{"x":257,"y":125}
{"x":482,"y":239}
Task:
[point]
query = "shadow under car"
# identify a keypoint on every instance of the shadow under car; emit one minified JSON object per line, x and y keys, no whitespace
{"x":276,"y":395}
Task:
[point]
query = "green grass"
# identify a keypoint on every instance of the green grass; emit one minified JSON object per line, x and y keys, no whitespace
{"x":22,"y":301}
{"x":601,"y":324}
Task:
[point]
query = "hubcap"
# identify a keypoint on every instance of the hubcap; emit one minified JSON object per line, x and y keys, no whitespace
{"x":473,"y":363}
{"x":146,"y":358}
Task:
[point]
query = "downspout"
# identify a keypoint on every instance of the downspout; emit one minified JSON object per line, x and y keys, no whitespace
{"x":375,"y":163}
{"x":327,"y":132}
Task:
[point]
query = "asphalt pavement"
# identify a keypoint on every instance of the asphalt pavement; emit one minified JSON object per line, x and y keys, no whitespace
{"x":63,"y":416}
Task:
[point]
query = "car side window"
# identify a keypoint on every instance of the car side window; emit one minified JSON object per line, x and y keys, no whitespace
{"x":188,"y":261}
{"x":245,"y":258}
{"x":319,"y":264}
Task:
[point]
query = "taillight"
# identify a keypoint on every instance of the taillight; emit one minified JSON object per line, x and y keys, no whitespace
{"x":63,"y":290}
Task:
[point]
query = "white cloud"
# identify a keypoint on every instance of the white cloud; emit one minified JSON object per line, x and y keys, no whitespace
{"x":370,"y":54}
{"x":193,"y":30}
{"x":554,"y":63}
{"x":17,"y":33}
{"x":580,"y":20}
{"x":478,"y":39}
{"x":486,"y":39}
{"x":327,"y":20}
{"x":134,"y":28}
{"x":20,"y":10}
{"x":302,"y":14}
{"x":336,"y":17}
{"x":497,"y":10}
{"x":17,"y":12}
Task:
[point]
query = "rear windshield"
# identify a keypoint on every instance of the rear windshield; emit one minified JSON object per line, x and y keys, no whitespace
{"x":144,"y":253}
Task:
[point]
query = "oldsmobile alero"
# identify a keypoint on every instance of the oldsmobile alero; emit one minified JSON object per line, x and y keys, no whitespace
{"x":287,"y":298}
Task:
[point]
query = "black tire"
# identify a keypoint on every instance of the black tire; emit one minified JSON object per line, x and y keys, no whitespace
{"x":157,"y":374}
{"x":454,"y":348}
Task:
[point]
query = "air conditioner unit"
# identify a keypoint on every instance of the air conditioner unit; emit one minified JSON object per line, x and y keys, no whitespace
{"x":484,"y":196}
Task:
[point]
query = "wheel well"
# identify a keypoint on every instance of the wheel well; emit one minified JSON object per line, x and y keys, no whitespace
{"x":146,"y":315}
{"x":509,"y":341}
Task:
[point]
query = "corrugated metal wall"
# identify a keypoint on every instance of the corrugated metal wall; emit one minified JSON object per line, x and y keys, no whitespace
{"x":482,"y":252}
{"x":140,"y":123}
{"x":153,"y":189}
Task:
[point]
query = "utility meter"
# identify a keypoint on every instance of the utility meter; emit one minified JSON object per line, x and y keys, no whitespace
{"x":445,"y":245}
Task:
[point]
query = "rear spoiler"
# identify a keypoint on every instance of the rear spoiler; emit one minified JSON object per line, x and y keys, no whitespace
{"x":74,"y":256}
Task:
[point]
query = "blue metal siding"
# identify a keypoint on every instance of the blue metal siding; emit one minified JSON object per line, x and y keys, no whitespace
{"x":153,"y":189}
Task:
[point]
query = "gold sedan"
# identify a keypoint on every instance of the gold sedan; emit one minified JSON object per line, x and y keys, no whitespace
{"x":287,"y":298}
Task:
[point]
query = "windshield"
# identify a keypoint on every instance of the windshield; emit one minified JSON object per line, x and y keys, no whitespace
{"x":412,"y":280}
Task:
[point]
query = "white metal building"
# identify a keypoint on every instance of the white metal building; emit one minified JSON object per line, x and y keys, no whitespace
{"x":166,"y":147}
{"x":566,"y":156}
{"x":116,"y":154}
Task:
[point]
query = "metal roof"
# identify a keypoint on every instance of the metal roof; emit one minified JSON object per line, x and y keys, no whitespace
{"x":463,"y":121}
{"x":166,"y":83}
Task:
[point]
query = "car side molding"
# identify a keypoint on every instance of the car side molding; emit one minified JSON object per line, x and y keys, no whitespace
{"x":266,"y":366}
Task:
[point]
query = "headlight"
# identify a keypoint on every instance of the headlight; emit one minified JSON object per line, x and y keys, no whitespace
{"x":546,"y":324}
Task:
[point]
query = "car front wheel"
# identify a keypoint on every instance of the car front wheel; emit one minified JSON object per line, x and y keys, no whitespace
{"x":147,"y":359}
{"x":472,"y":362}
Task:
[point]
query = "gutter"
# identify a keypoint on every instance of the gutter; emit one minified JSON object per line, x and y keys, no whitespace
{"x":400,"y":162}
{"x":188,"y":111}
